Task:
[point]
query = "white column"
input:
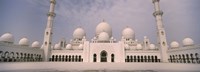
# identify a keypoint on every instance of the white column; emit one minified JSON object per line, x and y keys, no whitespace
{"x":160,"y":31}
{"x":48,"y":31}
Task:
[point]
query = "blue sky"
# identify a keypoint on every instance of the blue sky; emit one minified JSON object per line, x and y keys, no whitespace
{"x":27,"y":18}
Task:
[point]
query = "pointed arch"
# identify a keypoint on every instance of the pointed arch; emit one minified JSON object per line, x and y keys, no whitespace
{"x":6,"y":55}
{"x":94,"y":57}
{"x":197,"y":58}
{"x":180,"y":58}
{"x":76,"y":58}
{"x":63,"y":58}
{"x":1,"y":56}
{"x":53,"y":58}
{"x":112,"y":58}
{"x":12,"y":57}
{"x":103,"y":56}
{"x":191,"y":58}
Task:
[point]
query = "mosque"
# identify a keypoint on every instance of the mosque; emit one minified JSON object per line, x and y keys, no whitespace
{"x":103,"y":47}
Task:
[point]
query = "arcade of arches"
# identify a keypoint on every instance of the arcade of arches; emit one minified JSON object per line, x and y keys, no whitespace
{"x":66,"y":58}
{"x":19,"y":57}
{"x":185,"y":58}
{"x":130,"y":58}
{"x":103,"y":57}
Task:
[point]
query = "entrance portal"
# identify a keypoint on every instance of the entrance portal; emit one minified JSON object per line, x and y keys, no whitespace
{"x":103,"y":56}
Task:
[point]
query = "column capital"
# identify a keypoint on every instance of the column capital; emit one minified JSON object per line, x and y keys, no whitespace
{"x":53,"y":1}
{"x":158,"y":13}
{"x":155,"y":1}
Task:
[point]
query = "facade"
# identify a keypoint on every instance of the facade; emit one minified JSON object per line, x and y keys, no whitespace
{"x":103,"y":47}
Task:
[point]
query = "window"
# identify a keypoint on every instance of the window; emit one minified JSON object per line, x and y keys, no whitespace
{"x":163,"y":43}
{"x":94,"y":58}
{"x":80,"y":58}
{"x":170,"y":58}
{"x":156,"y":59}
{"x":56,"y":58}
{"x":134,"y":58}
{"x":173,"y":58}
{"x":66,"y":58}
{"x":146,"y":43}
{"x":112,"y":58}
{"x":176,"y":58}
{"x":103,"y":56}
{"x":53,"y":58}
{"x":149,"y":59}
{"x":45,"y":43}
{"x":72,"y":58}
{"x":188,"y":58}
{"x":162,"y":33}
{"x":138,"y":57}
{"x":131,"y":60}
{"x":197,"y":58}
{"x":63,"y":57}
{"x":180,"y":59}
{"x":145,"y":58}
{"x":128,"y":59}
{"x":183,"y":58}
{"x":192,"y":58}
{"x":69,"y":58}
{"x":141,"y":58}
{"x":152,"y":57}
{"x":59,"y":57}
{"x":47,"y":33}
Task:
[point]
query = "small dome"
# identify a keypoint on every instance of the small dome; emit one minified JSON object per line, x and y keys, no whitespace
{"x":103,"y":27}
{"x":57,"y":46}
{"x":69,"y":46}
{"x":152,"y":46}
{"x":127,"y":46}
{"x":35,"y":44}
{"x":7,"y":37}
{"x":174,"y":44}
{"x":103,"y":36}
{"x":128,"y":33}
{"x":24,"y":42}
{"x":139,"y":46}
{"x":188,"y":42}
{"x":79,"y":33}
{"x":80,"y":46}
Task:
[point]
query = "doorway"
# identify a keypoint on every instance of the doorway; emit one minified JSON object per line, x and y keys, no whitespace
{"x":103,"y":56}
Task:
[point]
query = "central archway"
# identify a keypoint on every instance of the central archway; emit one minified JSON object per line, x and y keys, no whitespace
{"x":103,"y":56}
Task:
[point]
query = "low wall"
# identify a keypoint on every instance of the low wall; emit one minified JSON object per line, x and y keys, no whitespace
{"x":62,"y":66}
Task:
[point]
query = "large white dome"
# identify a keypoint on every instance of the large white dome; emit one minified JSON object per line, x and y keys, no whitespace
{"x":80,"y":47}
{"x":35,"y":44}
{"x":79,"y":33}
{"x":126,"y":46}
{"x":104,"y":27}
{"x":7,"y":37}
{"x":174,"y":44}
{"x":128,"y":33}
{"x":57,"y":46}
{"x":139,"y":46}
{"x":188,"y":42}
{"x":24,"y":42}
{"x":103,"y":36}
{"x":69,"y":46}
{"x":152,"y":46}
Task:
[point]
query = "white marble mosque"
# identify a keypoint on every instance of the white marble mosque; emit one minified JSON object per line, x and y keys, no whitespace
{"x":103,"y":47}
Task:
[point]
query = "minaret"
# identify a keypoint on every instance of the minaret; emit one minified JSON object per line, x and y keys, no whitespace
{"x":48,"y":31}
{"x":160,"y":31}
